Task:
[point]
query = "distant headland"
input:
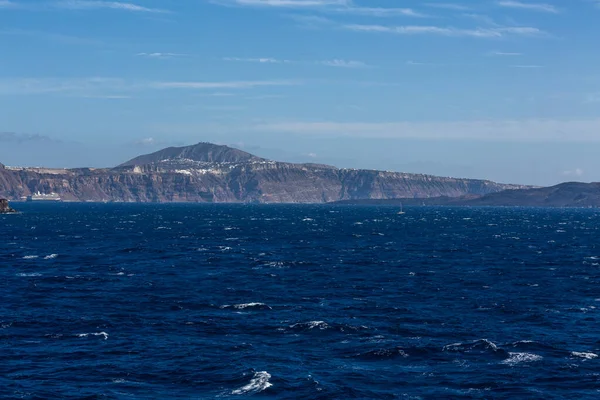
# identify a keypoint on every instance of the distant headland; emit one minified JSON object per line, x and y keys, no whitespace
{"x":210,"y":173}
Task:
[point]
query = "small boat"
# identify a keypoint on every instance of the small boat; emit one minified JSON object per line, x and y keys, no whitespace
{"x":401,"y":212}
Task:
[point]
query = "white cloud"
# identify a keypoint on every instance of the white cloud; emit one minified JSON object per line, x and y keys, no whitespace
{"x":160,"y":55}
{"x":329,"y":63}
{"x":98,"y":87}
{"x":8,"y":4}
{"x":381,"y":12}
{"x":146,"y":142}
{"x":540,"y":7}
{"x":577,"y":172}
{"x":447,"y":31}
{"x":284,"y":3}
{"x":530,"y":130}
{"x":448,"y":6}
{"x":263,"y":60}
{"x":97,"y":4}
{"x":50,"y":36}
{"x":344,"y":64}
{"x":218,"y":85}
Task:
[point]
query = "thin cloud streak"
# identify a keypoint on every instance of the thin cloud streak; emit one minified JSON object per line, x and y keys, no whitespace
{"x":97,"y":4}
{"x":448,"y":6}
{"x":160,"y":55}
{"x":8,"y":4}
{"x":447,"y":31}
{"x":527,"y":66}
{"x":118,"y":88}
{"x":539,"y":7}
{"x":381,"y":12}
{"x":284,"y":3}
{"x":339,"y":63}
{"x":262,"y":60}
{"x":219,"y":85}
{"x":530,"y":130}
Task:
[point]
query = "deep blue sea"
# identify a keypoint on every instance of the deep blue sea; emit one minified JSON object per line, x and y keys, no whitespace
{"x":107,"y":301}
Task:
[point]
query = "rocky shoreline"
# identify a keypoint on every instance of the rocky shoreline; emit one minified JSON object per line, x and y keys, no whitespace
{"x":5,"y":207}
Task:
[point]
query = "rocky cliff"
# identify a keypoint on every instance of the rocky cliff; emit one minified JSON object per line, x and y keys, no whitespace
{"x":5,"y":207}
{"x":211,"y":173}
{"x":569,"y":194}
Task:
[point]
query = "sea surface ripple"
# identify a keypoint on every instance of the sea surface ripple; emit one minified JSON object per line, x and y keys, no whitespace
{"x":122,"y":301}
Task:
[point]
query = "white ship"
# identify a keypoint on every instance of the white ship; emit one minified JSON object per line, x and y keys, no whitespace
{"x":38,"y":196}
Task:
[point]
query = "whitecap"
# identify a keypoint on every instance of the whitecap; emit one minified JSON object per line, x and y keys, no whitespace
{"x":311,"y":325}
{"x":518,"y":358}
{"x":243,"y":306}
{"x":258,"y":383}
{"x":29,"y":275}
{"x":587,"y":356}
{"x":30,"y":257}
{"x":50,"y":256}
{"x":103,"y":334}
{"x":307,"y":219}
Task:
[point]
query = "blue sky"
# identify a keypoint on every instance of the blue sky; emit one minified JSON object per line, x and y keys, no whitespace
{"x":505,"y":90}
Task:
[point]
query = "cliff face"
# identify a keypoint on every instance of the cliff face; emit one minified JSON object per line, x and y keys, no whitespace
{"x":184,"y":175}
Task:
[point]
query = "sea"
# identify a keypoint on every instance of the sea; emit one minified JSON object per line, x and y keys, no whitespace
{"x":130,"y":301}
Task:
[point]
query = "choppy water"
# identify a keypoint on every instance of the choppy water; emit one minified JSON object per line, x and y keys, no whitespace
{"x":298,"y":302}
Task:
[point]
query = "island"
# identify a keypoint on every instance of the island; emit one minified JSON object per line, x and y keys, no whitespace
{"x":211,"y":173}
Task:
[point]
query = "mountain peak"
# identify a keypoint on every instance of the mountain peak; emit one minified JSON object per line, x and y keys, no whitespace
{"x":202,"y":152}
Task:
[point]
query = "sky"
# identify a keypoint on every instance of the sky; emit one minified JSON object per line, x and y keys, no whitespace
{"x":497,"y":89}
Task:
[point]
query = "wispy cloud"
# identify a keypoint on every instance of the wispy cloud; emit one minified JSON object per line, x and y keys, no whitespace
{"x":540,"y":7}
{"x":530,"y":130}
{"x":448,"y":6}
{"x":330,"y":6}
{"x":503,"y":54}
{"x":97,"y":4}
{"x":343,"y":64}
{"x":529,"y":66}
{"x":117,"y":88}
{"x":592,"y":98}
{"x":284,"y":3}
{"x":13,"y":137}
{"x":381,"y":12}
{"x":8,"y":4}
{"x":50,"y":36}
{"x":328,"y":63}
{"x":496,"y":32}
{"x":577,"y":172}
{"x":160,"y":55}
{"x":261,"y":60}
{"x":219,"y":85}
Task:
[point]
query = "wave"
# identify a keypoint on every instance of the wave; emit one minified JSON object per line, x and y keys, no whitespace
{"x":587,"y":356}
{"x":253,"y":306}
{"x":257,"y":384}
{"x":477,"y":346}
{"x":103,"y":334}
{"x":30,"y":257}
{"x":518,"y":358}
{"x":322,"y":325}
{"x":50,"y":256}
